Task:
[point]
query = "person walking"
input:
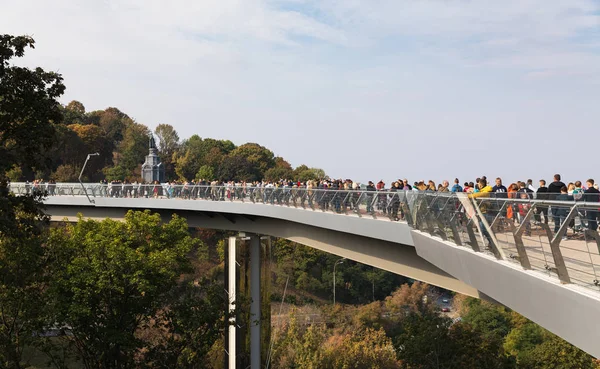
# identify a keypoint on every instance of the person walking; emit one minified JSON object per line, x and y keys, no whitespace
{"x":592,"y":195}
{"x":456,"y":187}
{"x":560,"y":213}
{"x":542,"y":194}
{"x":484,"y":191}
{"x":554,"y":191}
{"x":370,"y":188}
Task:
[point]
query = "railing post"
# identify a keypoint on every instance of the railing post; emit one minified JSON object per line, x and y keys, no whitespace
{"x":472,"y":237}
{"x":452,"y":223}
{"x":497,"y":251}
{"x":559,"y":262}
{"x":518,"y":236}
{"x":408,"y":216}
{"x":593,"y":234}
{"x":357,"y":204}
{"x":374,"y":199}
{"x":548,"y":231}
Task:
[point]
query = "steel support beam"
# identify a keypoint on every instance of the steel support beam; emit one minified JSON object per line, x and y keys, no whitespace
{"x":590,"y":233}
{"x":559,"y":261}
{"x":472,"y":236}
{"x":548,"y":231}
{"x":454,"y":228}
{"x":518,"y":236}
{"x":497,"y":251}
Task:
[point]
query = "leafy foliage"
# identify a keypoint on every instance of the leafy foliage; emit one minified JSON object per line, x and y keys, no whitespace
{"x":110,"y":277}
{"x":189,"y":328}
{"x":28,"y":108}
{"x":311,"y":270}
{"x":168,"y":144}
{"x":28,"y":114}
{"x":555,"y":353}
{"x":22,"y":279}
{"x":492,"y":321}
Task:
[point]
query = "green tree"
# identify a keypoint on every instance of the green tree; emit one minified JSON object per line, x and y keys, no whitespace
{"x":28,"y":108}
{"x":28,"y":112}
{"x":521,"y":340}
{"x":15,"y":174}
{"x":206,"y":172}
{"x":299,"y":169}
{"x":110,"y":278}
{"x":188,"y":329}
{"x":281,"y":170}
{"x":237,"y":167}
{"x":196,"y":152}
{"x":428,"y":340}
{"x":23,"y":281}
{"x":132,"y":150}
{"x":66,"y":152}
{"x":66,"y":173}
{"x":304,"y":173}
{"x":261,"y":158}
{"x":369,"y":316}
{"x":488,"y":318}
{"x":168,"y":143}
{"x":299,"y":347}
{"x":94,"y":141}
{"x":472,"y":350}
{"x":556,"y":353}
{"x":74,"y":113}
{"x":422,"y":340}
{"x":112,"y":121}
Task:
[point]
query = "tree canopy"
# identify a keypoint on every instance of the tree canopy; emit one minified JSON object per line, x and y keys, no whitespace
{"x":110,"y":278}
{"x":28,"y":108}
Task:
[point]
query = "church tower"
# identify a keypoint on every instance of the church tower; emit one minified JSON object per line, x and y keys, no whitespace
{"x":153,"y":169}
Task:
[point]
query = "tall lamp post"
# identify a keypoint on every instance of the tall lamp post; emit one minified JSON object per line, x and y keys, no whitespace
{"x":339,"y":261}
{"x":80,"y":174}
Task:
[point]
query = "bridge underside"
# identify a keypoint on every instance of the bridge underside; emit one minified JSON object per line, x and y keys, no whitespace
{"x":567,"y":310}
{"x":393,"y":257}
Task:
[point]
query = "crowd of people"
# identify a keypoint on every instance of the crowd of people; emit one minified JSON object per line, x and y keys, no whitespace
{"x":343,"y":195}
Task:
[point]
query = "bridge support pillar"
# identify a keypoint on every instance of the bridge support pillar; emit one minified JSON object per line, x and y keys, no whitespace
{"x":248,"y":285}
{"x":231,"y":289}
{"x":255,"y":295}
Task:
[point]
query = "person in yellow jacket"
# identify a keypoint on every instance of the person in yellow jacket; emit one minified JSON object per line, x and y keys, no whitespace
{"x":484,"y":191}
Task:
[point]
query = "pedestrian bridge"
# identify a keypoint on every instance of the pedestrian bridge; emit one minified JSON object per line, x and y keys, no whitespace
{"x":473,"y":246}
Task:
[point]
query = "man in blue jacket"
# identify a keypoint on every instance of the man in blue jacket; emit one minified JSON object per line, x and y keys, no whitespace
{"x":456,"y":187}
{"x":499,"y":189}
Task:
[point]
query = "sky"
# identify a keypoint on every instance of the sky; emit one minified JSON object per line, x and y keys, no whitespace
{"x":368,"y":90}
